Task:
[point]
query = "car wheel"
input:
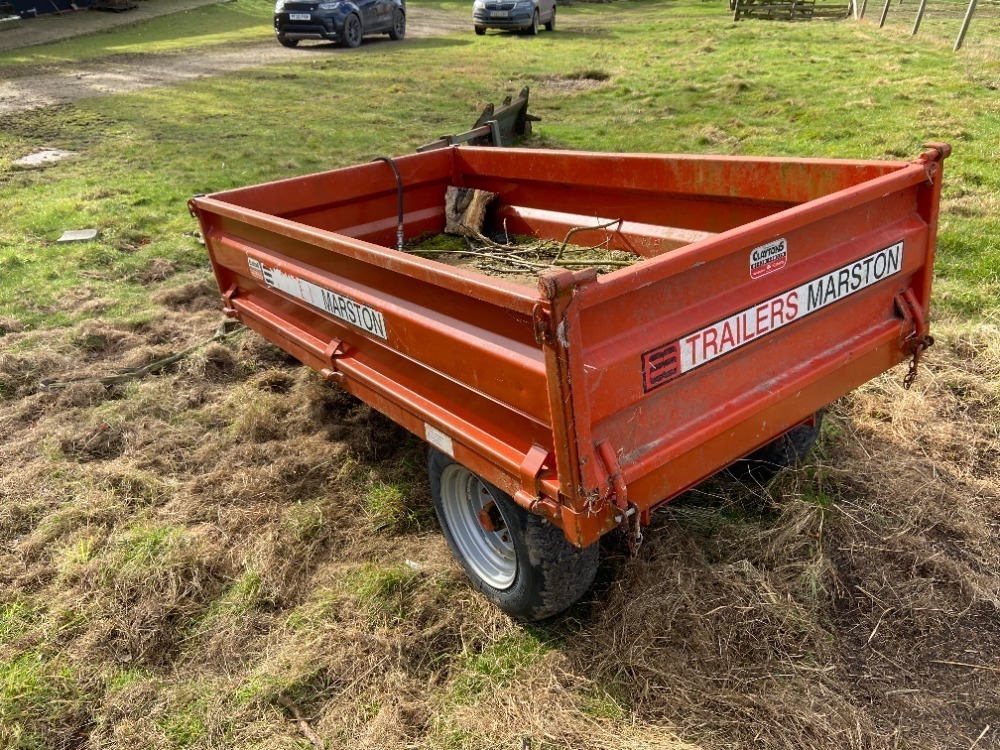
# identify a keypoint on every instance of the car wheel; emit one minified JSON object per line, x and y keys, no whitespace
{"x":352,"y":31}
{"x":519,"y":561}
{"x":398,"y":25}
{"x":480,"y":30}
{"x":533,"y":29}
{"x":551,"y":24}
{"x":288,"y":42}
{"x":781,"y":453}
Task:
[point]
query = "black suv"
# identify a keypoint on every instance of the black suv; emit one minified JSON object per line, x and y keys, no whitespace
{"x":344,"y":21}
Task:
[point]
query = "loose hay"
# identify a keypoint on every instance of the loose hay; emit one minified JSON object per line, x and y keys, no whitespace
{"x":185,"y":556}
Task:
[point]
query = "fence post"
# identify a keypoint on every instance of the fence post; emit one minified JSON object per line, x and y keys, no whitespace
{"x":920,"y":15}
{"x":885,"y":12}
{"x":965,"y":26}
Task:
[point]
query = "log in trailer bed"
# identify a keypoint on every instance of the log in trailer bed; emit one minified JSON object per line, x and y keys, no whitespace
{"x":767,"y":288}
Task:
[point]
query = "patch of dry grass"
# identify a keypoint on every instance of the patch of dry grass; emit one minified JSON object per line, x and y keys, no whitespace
{"x":192,"y":559}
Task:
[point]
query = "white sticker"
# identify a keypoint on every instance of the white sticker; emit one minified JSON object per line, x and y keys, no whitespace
{"x":256,"y":269}
{"x":765,"y":317}
{"x":347,"y":309}
{"x":439,"y":440}
{"x":768,"y":258}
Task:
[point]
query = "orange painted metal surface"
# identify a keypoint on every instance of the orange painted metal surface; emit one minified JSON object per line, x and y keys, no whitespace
{"x":768,"y":288}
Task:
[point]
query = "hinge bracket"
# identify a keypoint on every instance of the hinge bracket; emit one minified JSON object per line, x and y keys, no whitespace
{"x":227,"y":301}
{"x":530,"y":494}
{"x":541,"y":321}
{"x":334,"y":351}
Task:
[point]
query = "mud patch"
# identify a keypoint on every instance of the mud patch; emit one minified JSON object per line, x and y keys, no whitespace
{"x":571,"y":83}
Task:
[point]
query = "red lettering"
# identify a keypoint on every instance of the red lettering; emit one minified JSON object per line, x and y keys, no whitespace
{"x":727,"y":336}
{"x":708,"y":339}
{"x":793,"y":306}
{"x":777,"y":311}
{"x":762,"y":324}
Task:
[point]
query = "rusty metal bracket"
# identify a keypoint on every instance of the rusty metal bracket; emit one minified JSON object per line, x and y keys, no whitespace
{"x":932,"y":159}
{"x":541,"y":321}
{"x":530,"y":495}
{"x":228,"y":309}
{"x":192,"y":209}
{"x":628,"y":513}
{"x":333,"y":351}
{"x":616,"y":484}
{"x":914,"y":337}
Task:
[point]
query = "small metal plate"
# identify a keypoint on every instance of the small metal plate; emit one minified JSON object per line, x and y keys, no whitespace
{"x":299,"y":16}
{"x":498,"y":13}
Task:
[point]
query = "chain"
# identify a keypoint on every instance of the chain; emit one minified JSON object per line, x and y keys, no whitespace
{"x":633,"y":531}
{"x":920,"y":344}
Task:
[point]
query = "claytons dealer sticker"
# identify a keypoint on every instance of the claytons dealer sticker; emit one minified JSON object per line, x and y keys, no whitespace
{"x":768,"y":258}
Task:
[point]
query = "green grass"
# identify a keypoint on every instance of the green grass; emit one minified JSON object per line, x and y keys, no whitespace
{"x":37,"y":695}
{"x":496,"y":667}
{"x":226,"y":23}
{"x":382,"y":592}
{"x":672,"y":84}
{"x":633,"y":76}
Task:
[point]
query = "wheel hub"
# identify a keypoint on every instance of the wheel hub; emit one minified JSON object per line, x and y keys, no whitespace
{"x":477,"y":527}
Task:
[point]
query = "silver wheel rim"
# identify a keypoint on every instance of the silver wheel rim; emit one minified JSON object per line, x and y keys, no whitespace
{"x":490,"y":554}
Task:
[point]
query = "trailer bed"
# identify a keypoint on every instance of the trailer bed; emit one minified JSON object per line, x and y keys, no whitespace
{"x":767,"y":288}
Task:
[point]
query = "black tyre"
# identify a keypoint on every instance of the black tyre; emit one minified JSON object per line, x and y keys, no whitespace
{"x":288,"y":42}
{"x":550,"y":25}
{"x":533,"y":29}
{"x":783,"y":452}
{"x":398,"y":30}
{"x":522,"y":563}
{"x":352,"y":32}
{"x":480,"y":30}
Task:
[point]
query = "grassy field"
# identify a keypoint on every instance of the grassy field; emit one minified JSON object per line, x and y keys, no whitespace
{"x":229,"y":551}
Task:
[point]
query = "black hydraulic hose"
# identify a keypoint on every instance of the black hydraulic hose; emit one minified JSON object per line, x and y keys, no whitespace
{"x":399,"y":191}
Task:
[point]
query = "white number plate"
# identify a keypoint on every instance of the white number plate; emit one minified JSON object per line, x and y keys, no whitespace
{"x":299,"y":16}
{"x":498,"y":13}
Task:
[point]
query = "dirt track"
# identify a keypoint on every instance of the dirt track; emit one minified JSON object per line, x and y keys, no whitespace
{"x":101,"y":77}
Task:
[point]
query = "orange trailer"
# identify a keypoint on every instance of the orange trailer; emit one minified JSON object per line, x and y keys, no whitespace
{"x":768,"y":288}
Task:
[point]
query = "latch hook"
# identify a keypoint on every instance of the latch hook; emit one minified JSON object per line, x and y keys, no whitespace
{"x":920,"y":339}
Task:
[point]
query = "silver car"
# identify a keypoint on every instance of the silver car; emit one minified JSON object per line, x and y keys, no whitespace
{"x":514,"y":15}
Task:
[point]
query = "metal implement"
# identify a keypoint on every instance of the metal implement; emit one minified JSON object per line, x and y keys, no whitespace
{"x":495,"y":126}
{"x":767,"y":288}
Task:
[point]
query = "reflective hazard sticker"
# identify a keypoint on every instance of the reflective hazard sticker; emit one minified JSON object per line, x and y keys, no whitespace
{"x":768,"y":258}
{"x":671,"y":360}
{"x":340,"y":306}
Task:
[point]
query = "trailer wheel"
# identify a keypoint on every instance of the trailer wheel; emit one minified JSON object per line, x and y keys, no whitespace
{"x":781,"y":453}
{"x":519,"y":561}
